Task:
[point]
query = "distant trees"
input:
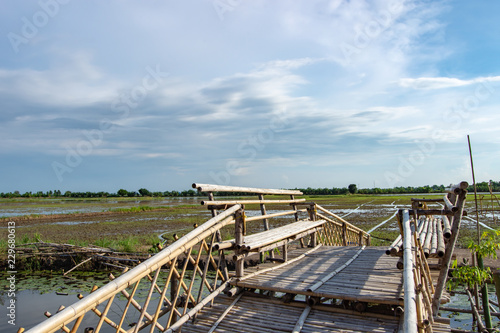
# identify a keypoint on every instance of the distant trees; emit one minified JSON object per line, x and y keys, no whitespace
{"x":352,"y":188}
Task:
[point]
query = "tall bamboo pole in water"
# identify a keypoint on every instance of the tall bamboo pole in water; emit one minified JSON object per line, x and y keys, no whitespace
{"x":484,"y":289}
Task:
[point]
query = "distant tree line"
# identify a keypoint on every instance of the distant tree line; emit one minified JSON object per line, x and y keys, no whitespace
{"x":351,"y":189}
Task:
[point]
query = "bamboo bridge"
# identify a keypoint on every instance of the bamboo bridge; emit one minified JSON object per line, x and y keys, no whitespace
{"x":317,"y":273}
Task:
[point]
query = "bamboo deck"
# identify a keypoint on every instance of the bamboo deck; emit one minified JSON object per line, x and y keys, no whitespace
{"x":372,"y":277}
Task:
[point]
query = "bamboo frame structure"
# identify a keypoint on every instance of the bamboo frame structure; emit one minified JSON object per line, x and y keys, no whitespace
{"x":178,"y":299}
{"x":183,"y":278}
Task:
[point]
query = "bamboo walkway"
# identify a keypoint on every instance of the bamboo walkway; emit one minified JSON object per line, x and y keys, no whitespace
{"x":342,"y":276}
{"x":317,"y":273}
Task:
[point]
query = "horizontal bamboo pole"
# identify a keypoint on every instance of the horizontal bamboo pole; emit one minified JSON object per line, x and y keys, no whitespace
{"x":77,"y":309}
{"x":222,"y":188}
{"x":427,"y":200}
{"x":249,"y":202}
{"x":446,"y":212}
{"x":261,"y":217}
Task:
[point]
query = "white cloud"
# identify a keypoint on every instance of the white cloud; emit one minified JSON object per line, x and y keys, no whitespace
{"x":428,"y":83}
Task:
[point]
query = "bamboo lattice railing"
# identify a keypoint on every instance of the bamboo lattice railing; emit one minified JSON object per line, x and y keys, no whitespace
{"x":181,"y":279}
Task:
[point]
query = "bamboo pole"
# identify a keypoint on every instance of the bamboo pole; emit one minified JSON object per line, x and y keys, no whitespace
{"x":410,"y":315}
{"x":301,"y":320}
{"x":197,"y":308}
{"x":239,"y":242}
{"x":249,"y":202}
{"x":443,"y":274}
{"x":440,"y":238}
{"x":224,"y":314}
{"x":446,"y":227}
{"x":221,"y":188}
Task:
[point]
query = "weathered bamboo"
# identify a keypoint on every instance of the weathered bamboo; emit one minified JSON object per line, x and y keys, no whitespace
{"x":443,"y":274}
{"x":301,"y":320}
{"x":137,"y":273}
{"x":249,"y":202}
{"x":394,"y":247}
{"x":446,"y":227}
{"x":428,"y":237}
{"x":335,"y":272}
{"x":440,"y":238}
{"x":448,"y":204}
{"x":221,"y":188}
{"x":224,"y":314}
{"x":480,"y":324}
{"x":434,"y":240}
{"x":261,"y":217}
{"x":410,"y":315}
{"x":239,"y":241}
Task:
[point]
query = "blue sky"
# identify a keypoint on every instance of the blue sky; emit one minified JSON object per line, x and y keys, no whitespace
{"x":103,"y":95}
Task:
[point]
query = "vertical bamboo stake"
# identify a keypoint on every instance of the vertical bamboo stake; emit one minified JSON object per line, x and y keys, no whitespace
{"x":265,"y":223}
{"x":312,"y":216}
{"x":484,"y":289}
{"x":239,"y":241}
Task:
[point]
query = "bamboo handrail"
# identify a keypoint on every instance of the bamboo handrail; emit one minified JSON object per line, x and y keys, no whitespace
{"x":410,"y":315}
{"x":248,"y":202}
{"x":222,"y":188}
{"x":261,"y":217}
{"x":78,"y":309}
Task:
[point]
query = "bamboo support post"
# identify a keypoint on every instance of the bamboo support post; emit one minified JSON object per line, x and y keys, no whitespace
{"x":239,"y":241}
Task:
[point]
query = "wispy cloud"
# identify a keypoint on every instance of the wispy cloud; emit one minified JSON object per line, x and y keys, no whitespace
{"x":429,"y":83}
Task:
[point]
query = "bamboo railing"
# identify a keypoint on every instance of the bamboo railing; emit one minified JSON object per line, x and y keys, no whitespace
{"x":423,"y":236}
{"x":187,"y":275}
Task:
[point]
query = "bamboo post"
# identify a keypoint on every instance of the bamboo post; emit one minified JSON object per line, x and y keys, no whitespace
{"x":344,"y":234}
{"x":239,"y":241}
{"x":265,"y":224}
{"x":443,"y":274}
{"x":174,"y":285}
{"x":296,"y":215}
{"x":312,"y":216}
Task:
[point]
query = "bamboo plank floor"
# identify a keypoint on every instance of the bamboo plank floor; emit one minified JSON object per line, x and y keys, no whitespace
{"x":372,"y":277}
{"x":254,"y":314}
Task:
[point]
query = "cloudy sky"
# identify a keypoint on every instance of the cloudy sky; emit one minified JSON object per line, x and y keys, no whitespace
{"x":103,"y":95}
